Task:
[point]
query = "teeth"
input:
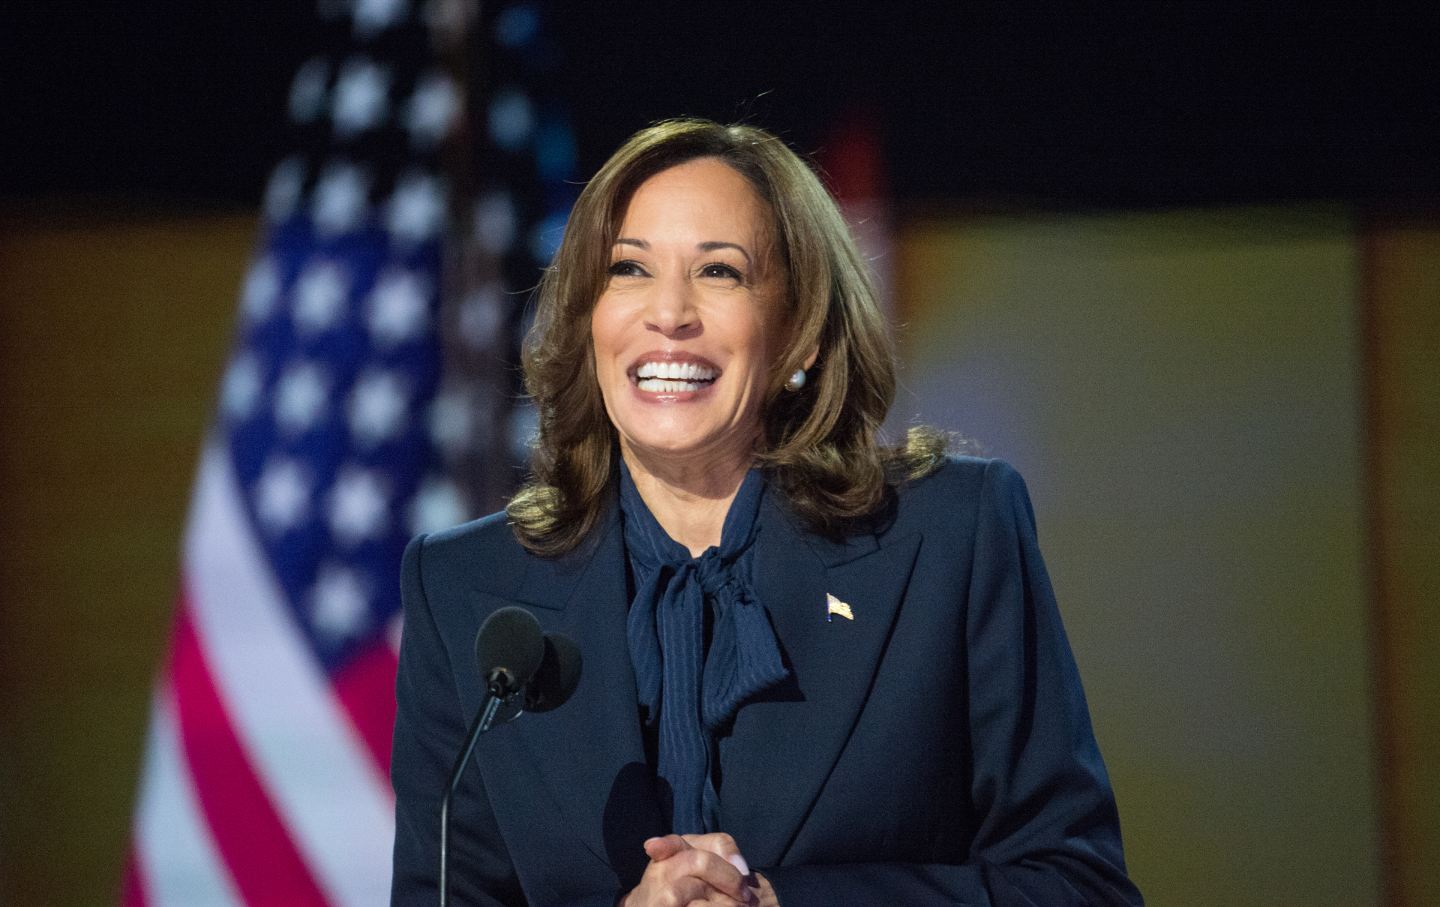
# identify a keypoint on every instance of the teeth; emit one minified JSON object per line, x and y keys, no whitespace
{"x":675,"y":371}
{"x":662,"y":386}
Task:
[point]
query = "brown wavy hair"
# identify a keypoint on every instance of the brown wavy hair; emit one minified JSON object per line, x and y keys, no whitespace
{"x":819,"y":446}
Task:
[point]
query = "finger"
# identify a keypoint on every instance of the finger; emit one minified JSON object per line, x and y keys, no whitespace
{"x":715,"y":871}
{"x":712,"y":898}
{"x":664,"y":848}
{"x":690,"y":890}
{"x":723,"y":846}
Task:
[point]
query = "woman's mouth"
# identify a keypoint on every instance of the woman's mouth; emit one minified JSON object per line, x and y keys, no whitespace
{"x":673,"y":376}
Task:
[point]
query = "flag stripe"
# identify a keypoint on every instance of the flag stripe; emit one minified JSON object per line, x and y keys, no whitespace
{"x":329,"y":792}
{"x":366,"y":690}
{"x":132,"y":892}
{"x":176,"y":864}
{"x":250,"y":835}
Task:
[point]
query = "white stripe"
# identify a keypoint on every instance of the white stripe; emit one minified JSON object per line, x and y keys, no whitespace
{"x":176,"y":858}
{"x":332,"y":797}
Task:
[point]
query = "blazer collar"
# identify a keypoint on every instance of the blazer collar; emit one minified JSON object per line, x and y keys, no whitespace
{"x":782,"y":747}
{"x":589,"y":751}
{"x":785,"y":744}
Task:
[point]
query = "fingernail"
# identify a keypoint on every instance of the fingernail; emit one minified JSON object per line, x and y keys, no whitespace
{"x":739,"y":863}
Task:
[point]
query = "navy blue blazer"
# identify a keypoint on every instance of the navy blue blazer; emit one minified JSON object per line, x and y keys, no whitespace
{"x":936,"y":748}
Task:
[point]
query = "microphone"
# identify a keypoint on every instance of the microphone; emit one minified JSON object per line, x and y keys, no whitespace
{"x":508,"y":649}
{"x":519,"y":663}
{"x":557,"y":676}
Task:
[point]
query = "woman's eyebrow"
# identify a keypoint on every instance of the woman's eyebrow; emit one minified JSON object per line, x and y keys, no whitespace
{"x":710,"y":246}
{"x":715,"y":245}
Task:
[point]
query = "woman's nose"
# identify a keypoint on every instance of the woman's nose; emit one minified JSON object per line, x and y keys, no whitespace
{"x":671,"y":307}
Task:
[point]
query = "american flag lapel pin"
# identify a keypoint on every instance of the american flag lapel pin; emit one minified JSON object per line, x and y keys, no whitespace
{"x":834,"y":606}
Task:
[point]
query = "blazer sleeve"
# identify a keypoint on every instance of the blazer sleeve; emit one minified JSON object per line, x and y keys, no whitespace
{"x":1047,"y":831}
{"x":429,"y":730}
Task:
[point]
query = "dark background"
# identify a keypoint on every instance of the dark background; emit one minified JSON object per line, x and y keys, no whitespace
{"x":174,"y":102}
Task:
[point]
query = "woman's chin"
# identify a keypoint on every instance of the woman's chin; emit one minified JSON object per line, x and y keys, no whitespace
{"x":677,"y":443}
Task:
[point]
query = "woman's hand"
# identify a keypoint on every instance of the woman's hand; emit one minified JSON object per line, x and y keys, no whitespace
{"x":725,"y":847}
{"x":693,"y":870}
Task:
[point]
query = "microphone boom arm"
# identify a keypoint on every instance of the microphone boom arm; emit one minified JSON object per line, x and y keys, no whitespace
{"x":483,"y":720}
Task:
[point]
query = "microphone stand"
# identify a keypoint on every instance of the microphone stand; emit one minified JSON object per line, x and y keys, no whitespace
{"x":496,"y":695}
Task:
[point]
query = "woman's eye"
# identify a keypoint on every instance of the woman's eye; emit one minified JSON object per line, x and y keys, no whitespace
{"x":626,"y":268}
{"x":723,"y":271}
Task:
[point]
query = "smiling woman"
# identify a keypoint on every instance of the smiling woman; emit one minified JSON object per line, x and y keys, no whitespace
{"x":708,"y":494}
{"x":761,"y":228}
{"x":685,"y":332}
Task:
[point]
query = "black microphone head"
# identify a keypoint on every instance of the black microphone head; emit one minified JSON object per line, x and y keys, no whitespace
{"x":508,"y":649}
{"x":558,"y":676}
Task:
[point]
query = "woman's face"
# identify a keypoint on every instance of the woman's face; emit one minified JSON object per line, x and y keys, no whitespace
{"x":689,"y":321}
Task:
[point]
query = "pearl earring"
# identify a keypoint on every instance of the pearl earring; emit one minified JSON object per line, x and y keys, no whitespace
{"x":796,"y":381}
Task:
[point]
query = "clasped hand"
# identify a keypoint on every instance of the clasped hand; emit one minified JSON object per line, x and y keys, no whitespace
{"x":690,"y":870}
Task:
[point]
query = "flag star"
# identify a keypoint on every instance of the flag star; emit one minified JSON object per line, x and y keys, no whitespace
{"x":495,"y":222}
{"x":517,"y":26}
{"x":357,"y":506}
{"x":417,"y":208}
{"x":282,"y":495}
{"x":481,"y":315}
{"x":432,"y":109}
{"x":554,"y":149}
{"x":378,"y":407}
{"x":452,"y":420}
{"x":339,"y":604}
{"x":339,"y":199}
{"x":374,"y":16}
{"x":438,"y":505}
{"x":307,"y":90}
{"x":512,"y":119}
{"x":320,"y":295}
{"x":242,"y":386}
{"x":261,"y":289}
{"x":360,"y":97}
{"x":283,"y":191}
{"x":300,"y":397}
{"x":398,"y":307}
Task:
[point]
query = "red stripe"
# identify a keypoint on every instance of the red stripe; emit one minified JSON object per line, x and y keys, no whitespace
{"x":366,"y":690}
{"x":132,"y":888}
{"x":250,"y":835}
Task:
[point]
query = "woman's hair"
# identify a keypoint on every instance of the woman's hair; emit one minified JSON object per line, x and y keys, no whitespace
{"x":819,"y":446}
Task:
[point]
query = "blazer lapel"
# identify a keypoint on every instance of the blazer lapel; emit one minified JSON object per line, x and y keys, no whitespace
{"x":784,"y":745}
{"x":589,"y":750}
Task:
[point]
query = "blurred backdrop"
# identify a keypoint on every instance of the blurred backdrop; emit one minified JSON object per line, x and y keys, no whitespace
{"x":1180,"y":265}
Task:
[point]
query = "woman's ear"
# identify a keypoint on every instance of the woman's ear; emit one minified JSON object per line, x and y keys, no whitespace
{"x":810,"y":359}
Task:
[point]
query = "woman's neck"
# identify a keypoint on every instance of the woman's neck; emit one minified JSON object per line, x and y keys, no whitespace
{"x":689,"y":499}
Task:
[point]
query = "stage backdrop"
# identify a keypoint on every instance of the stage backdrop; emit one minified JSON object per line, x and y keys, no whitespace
{"x":1181,"y":390}
{"x":1183,"y":393}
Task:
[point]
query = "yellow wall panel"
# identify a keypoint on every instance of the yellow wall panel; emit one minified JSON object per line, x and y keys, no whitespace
{"x":112,"y":333}
{"x":1403,"y":326}
{"x":1182,"y":391}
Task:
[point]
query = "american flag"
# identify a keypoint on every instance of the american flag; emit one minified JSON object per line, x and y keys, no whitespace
{"x":266,"y":769}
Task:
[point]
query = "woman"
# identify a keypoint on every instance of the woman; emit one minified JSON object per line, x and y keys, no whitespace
{"x":816,"y":670}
